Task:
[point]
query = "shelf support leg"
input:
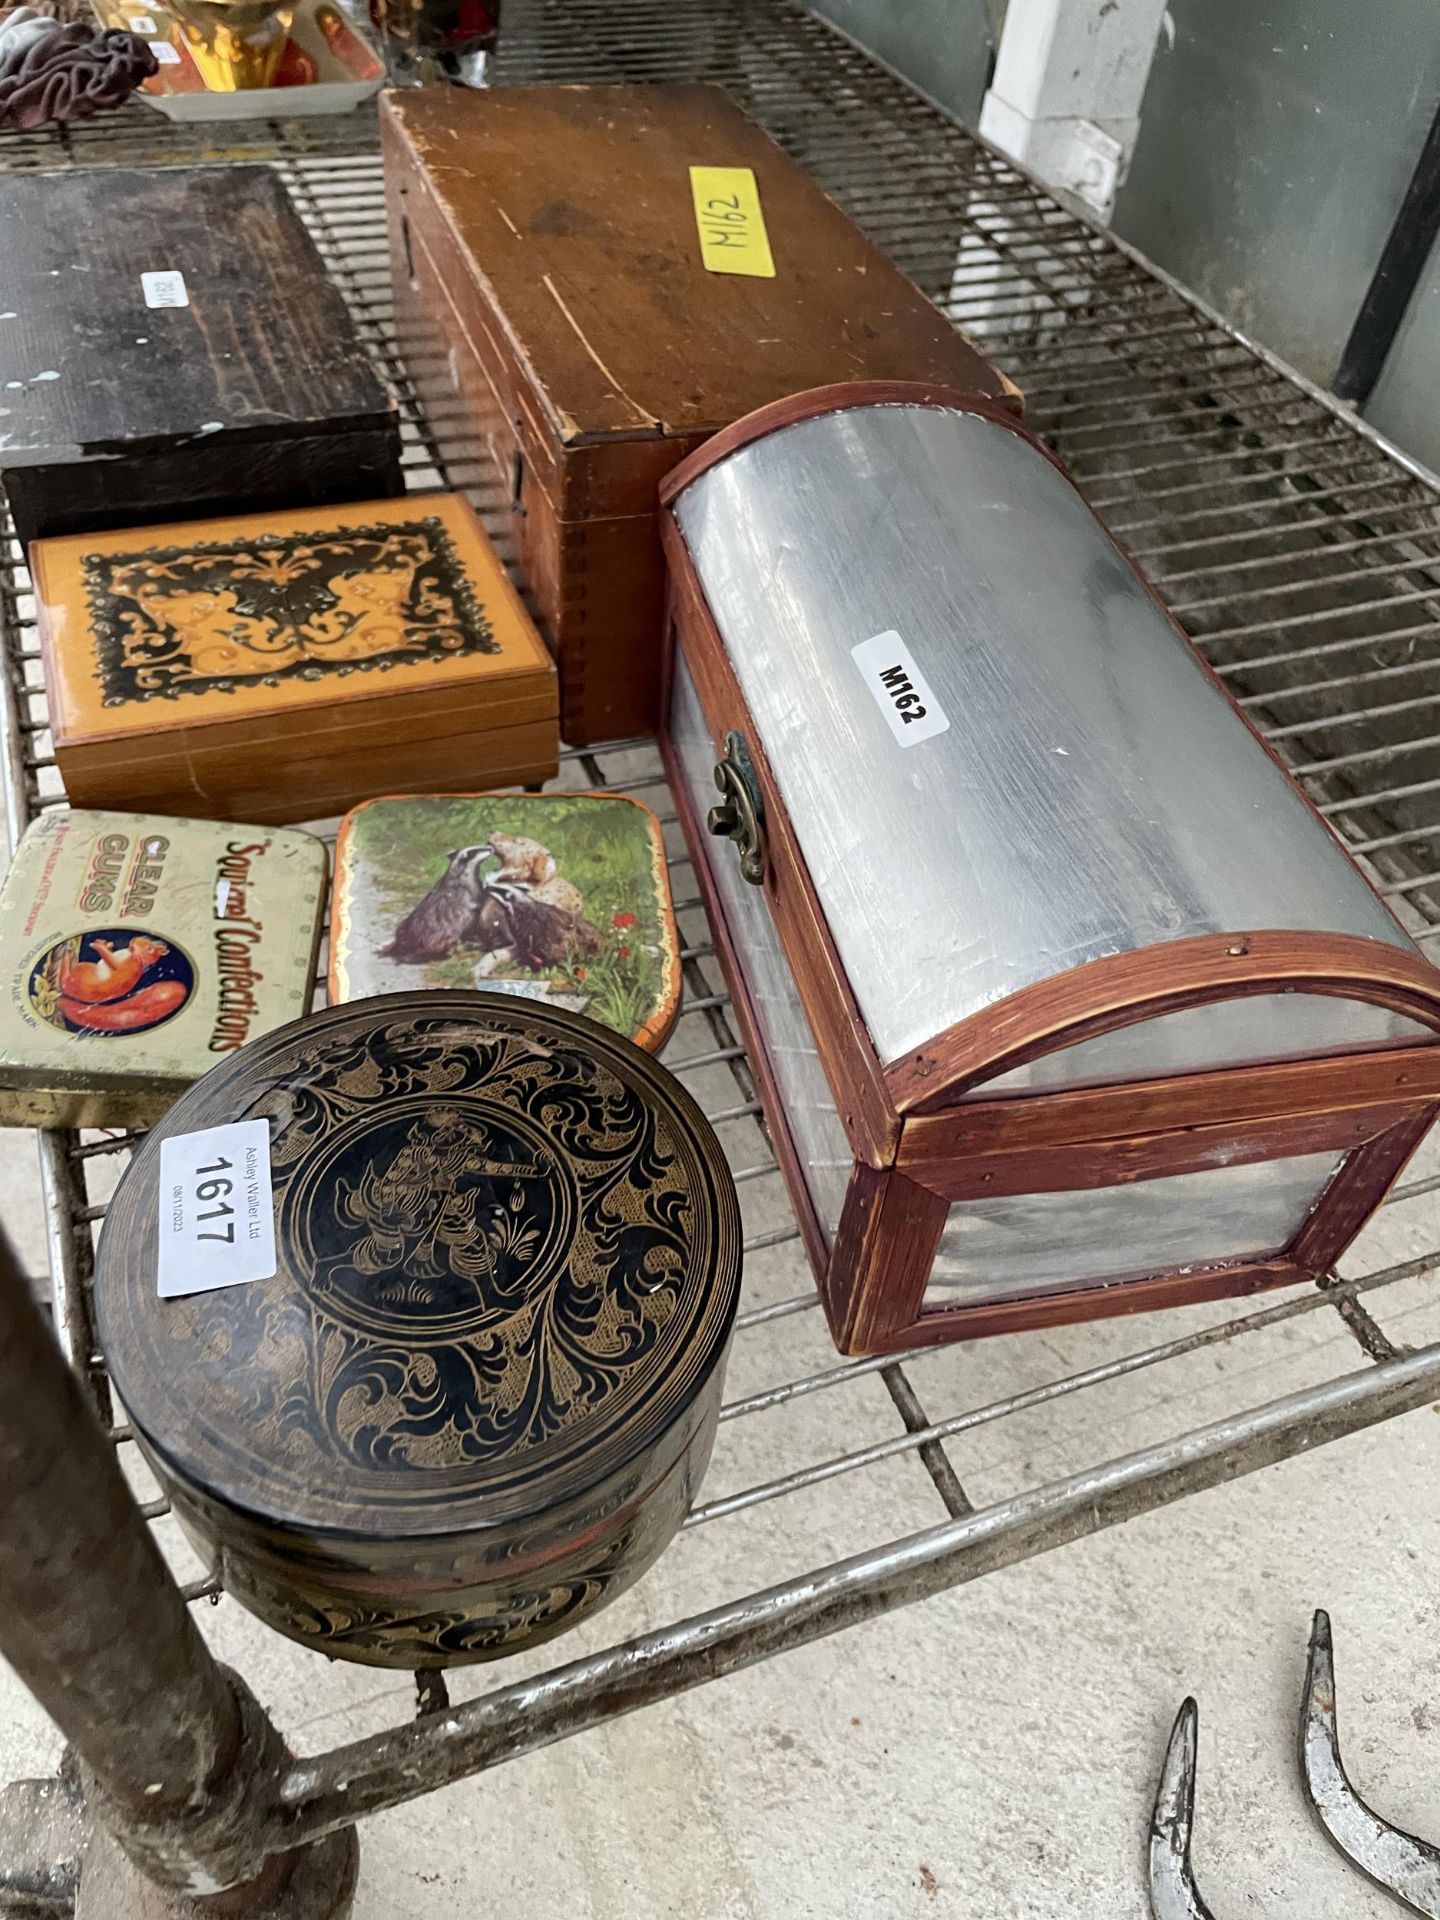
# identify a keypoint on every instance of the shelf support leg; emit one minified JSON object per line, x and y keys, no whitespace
{"x":177,"y":1761}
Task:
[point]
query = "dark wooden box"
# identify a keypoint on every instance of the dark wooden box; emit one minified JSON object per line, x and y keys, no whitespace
{"x":251,"y":390}
{"x":550,"y":292}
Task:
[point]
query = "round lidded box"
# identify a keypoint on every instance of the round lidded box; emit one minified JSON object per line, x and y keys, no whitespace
{"x":476,"y":1393}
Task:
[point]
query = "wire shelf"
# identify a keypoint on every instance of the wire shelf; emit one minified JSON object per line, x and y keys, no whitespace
{"x":1300,"y":551}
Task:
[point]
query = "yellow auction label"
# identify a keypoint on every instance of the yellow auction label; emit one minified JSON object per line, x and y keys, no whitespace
{"x":732,"y":227}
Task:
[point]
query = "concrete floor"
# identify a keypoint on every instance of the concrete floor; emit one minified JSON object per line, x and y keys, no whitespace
{"x":992,"y":1752}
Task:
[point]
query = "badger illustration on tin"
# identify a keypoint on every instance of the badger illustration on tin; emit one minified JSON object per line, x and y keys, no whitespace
{"x":530,"y":916}
{"x":441,"y":922}
{"x":523,"y":913}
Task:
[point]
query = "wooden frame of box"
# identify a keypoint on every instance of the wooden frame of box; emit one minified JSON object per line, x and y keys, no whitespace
{"x":919,"y":1146}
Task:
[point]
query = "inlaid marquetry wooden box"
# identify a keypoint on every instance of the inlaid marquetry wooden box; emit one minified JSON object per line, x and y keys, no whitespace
{"x":559,"y":321}
{"x":171,"y":345}
{"x":1065,"y":1000}
{"x":280,"y":667}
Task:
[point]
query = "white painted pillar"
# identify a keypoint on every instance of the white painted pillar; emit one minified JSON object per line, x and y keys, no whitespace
{"x":1065,"y":99}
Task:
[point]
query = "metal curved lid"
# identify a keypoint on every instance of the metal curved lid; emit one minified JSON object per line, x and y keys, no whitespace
{"x":921,"y":609}
{"x":508,"y":1260}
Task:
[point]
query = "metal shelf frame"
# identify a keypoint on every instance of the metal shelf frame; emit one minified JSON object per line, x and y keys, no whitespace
{"x":1301,"y":551}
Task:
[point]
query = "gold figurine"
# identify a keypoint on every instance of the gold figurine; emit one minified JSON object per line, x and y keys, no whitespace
{"x":236,"y":44}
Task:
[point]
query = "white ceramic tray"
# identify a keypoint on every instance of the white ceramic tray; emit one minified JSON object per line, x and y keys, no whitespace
{"x":342,"y":81}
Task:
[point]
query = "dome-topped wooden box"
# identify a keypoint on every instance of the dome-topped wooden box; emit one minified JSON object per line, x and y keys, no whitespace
{"x":1065,"y":1000}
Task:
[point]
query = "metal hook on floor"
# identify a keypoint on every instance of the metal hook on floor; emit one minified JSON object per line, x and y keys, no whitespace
{"x":1173,"y":1893}
{"x":1393,"y":1859}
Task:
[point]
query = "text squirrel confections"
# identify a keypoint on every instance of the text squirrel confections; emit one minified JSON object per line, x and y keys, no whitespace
{"x":137,"y":950}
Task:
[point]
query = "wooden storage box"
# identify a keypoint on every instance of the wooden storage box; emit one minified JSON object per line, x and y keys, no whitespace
{"x":550,"y":292}
{"x":173,"y":347}
{"x":1065,"y":1001}
{"x":283,"y":666}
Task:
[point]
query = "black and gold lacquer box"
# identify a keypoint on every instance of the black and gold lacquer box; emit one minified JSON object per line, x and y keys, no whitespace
{"x":452,"y":1280}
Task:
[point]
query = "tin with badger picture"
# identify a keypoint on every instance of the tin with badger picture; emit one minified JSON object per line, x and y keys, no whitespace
{"x":419,"y":1309}
{"x":558,"y":897}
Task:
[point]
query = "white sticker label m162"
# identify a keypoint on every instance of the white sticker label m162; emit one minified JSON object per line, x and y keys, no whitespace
{"x":165,"y":289}
{"x":168,"y":56}
{"x":217,"y":1214}
{"x":901,"y":691}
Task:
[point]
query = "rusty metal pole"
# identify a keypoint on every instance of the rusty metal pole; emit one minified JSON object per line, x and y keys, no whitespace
{"x":177,"y":1759}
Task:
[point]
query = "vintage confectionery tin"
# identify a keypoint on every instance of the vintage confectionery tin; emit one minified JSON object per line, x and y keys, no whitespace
{"x":472,"y":1266}
{"x":558,"y":897}
{"x":136,"y":952}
